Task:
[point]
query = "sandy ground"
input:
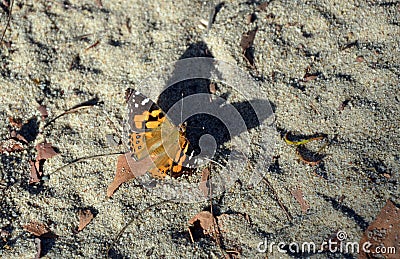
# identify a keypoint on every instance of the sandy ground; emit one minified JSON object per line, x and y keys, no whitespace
{"x":352,"y":47}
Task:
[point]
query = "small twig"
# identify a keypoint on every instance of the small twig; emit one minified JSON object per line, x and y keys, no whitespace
{"x":97,"y":42}
{"x":191,"y":235}
{"x":289,"y":217}
{"x":130,"y":222}
{"x":8,"y":21}
{"x":76,"y":108}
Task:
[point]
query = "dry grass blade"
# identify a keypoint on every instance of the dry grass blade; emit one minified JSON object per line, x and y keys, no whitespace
{"x":84,"y":105}
{"x":289,"y":217}
{"x":130,"y":222}
{"x":301,"y":139}
{"x":8,"y":21}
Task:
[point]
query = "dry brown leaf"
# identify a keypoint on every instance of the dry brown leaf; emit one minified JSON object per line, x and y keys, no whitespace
{"x":36,"y":228}
{"x":360,"y":59}
{"x":85,"y":216}
{"x":43,"y":111}
{"x":263,"y":6}
{"x":251,"y":18}
{"x":307,"y":156}
{"x":16,"y":123}
{"x":309,"y":77}
{"x":123,"y":173}
{"x":213,"y":88}
{"x":298,"y":195}
{"x":10,"y":145}
{"x":205,"y":176}
{"x":247,"y":43}
{"x":35,"y":173}
{"x":99,"y":3}
{"x":248,"y":40}
{"x":21,"y":138}
{"x":383,"y":232}
{"x":205,"y":222}
{"x":45,"y":151}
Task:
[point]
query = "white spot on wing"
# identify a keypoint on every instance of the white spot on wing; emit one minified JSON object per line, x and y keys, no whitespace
{"x":145,"y":101}
{"x":136,"y":105}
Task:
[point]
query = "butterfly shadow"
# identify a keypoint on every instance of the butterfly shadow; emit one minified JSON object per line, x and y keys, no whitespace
{"x":203,"y":123}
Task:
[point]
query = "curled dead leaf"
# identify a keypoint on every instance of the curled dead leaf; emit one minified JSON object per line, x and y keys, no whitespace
{"x":263,"y":6}
{"x":309,"y":77}
{"x":298,"y":195}
{"x":45,"y":151}
{"x":15,"y":122}
{"x":307,"y":156}
{"x":35,"y":173}
{"x":123,"y":174}
{"x":204,"y":184}
{"x":247,"y":46}
{"x":85,"y":216}
{"x":37,"y":229}
{"x":43,"y":111}
{"x":205,"y":223}
{"x":383,"y":232}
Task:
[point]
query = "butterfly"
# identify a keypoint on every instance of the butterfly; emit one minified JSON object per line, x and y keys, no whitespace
{"x":151,"y":133}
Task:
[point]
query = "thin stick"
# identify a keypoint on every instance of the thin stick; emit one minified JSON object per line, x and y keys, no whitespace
{"x":130,"y":222}
{"x":289,"y":217}
{"x":84,"y":105}
{"x":8,"y":20}
{"x":64,"y":113}
{"x":191,"y":235}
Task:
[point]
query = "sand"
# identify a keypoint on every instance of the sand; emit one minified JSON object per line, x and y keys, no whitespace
{"x":62,"y":53}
